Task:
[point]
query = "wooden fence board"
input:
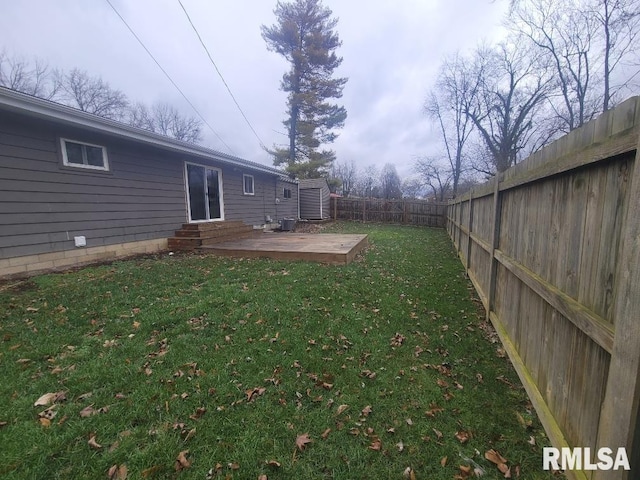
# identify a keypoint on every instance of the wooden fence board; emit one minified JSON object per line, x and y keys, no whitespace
{"x":407,"y":211}
{"x":553,"y":248}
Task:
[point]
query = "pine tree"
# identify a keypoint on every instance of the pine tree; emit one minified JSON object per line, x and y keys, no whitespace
{"x":304,"y":35}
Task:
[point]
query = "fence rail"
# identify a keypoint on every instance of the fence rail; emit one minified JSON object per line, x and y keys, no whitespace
{"x":552,"y":247}
{"x":415,"y":212}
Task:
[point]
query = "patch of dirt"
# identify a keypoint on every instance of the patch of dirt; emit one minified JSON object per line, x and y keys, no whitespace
{"x":17,"y":286}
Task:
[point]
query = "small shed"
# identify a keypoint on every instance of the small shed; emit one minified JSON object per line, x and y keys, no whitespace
{"x":314,"y":199}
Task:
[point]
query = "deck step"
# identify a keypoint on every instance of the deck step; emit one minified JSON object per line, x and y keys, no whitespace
{"x":195,"y":235}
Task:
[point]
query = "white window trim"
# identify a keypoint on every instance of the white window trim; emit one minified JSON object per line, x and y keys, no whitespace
{"x":188,"y":200}
{"x":65,"y":159}
{"x":253,"y":184}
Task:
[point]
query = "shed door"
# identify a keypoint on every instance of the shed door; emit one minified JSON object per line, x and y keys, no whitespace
{"x":204,"y":185}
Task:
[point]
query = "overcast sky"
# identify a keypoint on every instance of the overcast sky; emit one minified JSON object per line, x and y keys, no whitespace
{"x":391,"y":51}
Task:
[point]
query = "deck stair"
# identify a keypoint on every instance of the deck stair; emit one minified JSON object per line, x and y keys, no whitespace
{"x":195,"y":235}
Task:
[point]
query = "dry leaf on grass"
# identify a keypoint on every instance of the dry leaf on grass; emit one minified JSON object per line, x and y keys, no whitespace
{"x":409,"y":473}
{"x":341,"y":409}
{"x":49,"y":398}
{"x":494,"y":457}
{"x":117,"y":472}
{"x":376,"y":444}
{"x":88,"y":411}
{"x":182,"y":462}
{"x":443,"y":462}
{"x":273,"y":463}
{"x":302,"y":441}
{"x":93,"y":444}
{"x":326,"y":433}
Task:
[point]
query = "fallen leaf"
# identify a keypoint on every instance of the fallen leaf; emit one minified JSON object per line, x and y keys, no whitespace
{"x":438,"y":433}
{"x":263,"y":477}
{"x":324,"y":435}
{"x":532,"y":440}
{"x":273,"y":463}
{"x":45,"y":400}
{"x":200,"y":411}
{"x":88,"y":411}
{"x":409,"y":421}
{"x":182,"y":462}
{"x":443,"y":461}
{"x":366,"y":411}
{"x":463,"y":436}
{"x":376,"y":444}
{"x":45,"y":422}
{"x":49,"y":413}
{"x":341,"y":409}
{"x":409,"y":473}
{"x":233,"y":466}
{"x":400,"y":446}
{"x":302,"y":441}
{"x":93,"y":444}
{"x":494,"y":457}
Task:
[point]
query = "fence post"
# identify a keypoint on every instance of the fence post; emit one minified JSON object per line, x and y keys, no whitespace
{"x":495,"y":243}
{"x":619,"y":417}
{"x":469,"y":226}
{"x":335,"y":208}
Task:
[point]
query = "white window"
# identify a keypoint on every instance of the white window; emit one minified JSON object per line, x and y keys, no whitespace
{"x":247,"y":181}
{"x":84,"y":155}
{"x":286,"y":192}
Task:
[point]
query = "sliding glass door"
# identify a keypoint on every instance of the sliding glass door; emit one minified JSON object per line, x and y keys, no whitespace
{"x":204,"y":185}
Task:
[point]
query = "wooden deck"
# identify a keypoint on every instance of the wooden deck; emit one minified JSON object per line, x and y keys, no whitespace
{"x":321,"y":247}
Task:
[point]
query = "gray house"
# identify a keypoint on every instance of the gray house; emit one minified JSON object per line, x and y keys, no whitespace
{"x":76,"y":188}
{"x":315,"y":203}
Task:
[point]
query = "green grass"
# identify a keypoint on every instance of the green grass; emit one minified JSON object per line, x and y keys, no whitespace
{"x":165,"y":349}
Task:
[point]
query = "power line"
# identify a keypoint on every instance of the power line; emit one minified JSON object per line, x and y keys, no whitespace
{"x":169,"y":77}
{"x":220,"y":74}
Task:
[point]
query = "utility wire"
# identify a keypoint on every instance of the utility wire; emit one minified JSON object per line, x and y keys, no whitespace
{"x":169,"y":77}
{"x":220,"y":74}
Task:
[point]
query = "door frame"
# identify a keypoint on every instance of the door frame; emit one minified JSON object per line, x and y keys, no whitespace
{"x":188,"y":197}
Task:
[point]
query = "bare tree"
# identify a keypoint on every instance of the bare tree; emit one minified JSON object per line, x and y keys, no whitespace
{"x":167,"y":120}
{"x":347,"y":173}
{"x":412,"y":187}
{"x":620,"y":32}
{"x":436,"y":176}
{"x":602,"y":36}
{"x":368,"y":183}
{"x":450,"y":104}
{"x":511,"y":90}
{"x":35,"y":79}
{"x":93,"y":95}
{"x":390,"y":183}
{"x":565,"y":37}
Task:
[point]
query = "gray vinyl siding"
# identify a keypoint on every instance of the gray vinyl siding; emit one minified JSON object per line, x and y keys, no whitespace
{"x":288,"y":207}
{"x":44,"y":204}
{"x":254,"y":209}
{"x":310,"y":204}
{"x":311,"y":201}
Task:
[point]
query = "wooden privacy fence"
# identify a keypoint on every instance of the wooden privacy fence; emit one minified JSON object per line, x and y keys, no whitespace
{"x":414,"y":212}
{"x":552,"y":247}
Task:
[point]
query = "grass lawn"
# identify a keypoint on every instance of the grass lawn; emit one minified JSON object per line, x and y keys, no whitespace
{"x":193,"y":367}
